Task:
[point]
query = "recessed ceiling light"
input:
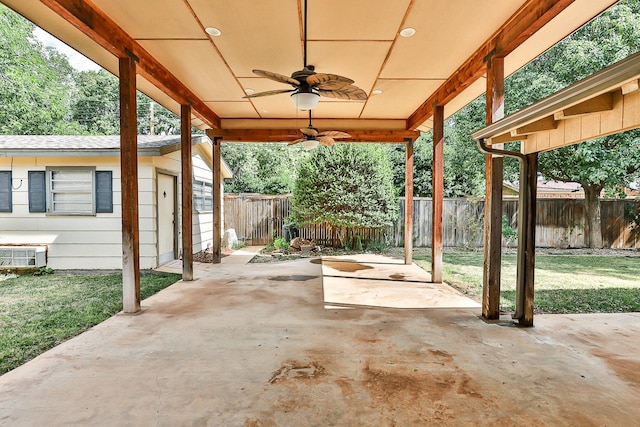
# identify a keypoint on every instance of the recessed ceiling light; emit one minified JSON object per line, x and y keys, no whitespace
{"x":407,"y":32}
{"x":213,"y":31}
{"x":376,"y":92}
{"x":249,"y":90}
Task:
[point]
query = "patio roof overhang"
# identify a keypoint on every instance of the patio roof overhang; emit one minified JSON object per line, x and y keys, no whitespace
{"x":460,"y":49}
{"x":179,"y":63}
{"x":604,"y":103}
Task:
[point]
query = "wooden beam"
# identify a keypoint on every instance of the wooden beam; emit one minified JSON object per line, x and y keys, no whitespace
{"x":546,"y":123}
{"x":532,"y":16}
{"x":493,"y":199}
{"x":94,"y":23}
{"x":129,"y":187}
{"x":437,"y":179}
{"x":187,"y":192}
{"x":630,"y":87}
{"x":597,"y":104}
{"x":285,"y":135}
{"x":217,"y":202}
{"x":408,"y":203}
{"x":526,"y":240}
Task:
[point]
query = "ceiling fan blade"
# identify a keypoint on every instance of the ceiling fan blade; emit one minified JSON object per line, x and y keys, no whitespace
{"x":328,"y":81}
{"x":296,"y":141}
{"x":276,"y":77}
{"x":309,"y":131}
{"x":325,"y":140}
{"x":350,"y":92}
{"x":334,"y":134}
{"x":269,"y":93}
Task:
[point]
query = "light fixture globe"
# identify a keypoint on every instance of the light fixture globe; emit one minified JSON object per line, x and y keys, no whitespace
{"x":310,"y":144}
{"x":305,"y":100}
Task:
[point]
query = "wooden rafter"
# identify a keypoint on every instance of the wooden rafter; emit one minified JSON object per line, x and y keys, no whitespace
{"x":532,"y":16}
{"x":597,"y":104}
{"x":284,"y":135}
{"x":545,"y":123}
{"x":104,"y":31}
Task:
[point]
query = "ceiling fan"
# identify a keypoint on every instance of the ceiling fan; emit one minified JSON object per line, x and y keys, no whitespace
{"x":308,"y":85}
{"x":312,"y":137}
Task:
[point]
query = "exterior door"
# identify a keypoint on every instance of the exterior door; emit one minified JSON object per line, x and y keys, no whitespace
{"x":167,"y":243}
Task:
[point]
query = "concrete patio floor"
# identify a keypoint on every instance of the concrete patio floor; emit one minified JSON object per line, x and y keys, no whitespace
{"x":253,"y":345}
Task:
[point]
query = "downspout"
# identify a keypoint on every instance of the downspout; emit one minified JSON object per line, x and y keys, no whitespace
{"x":522,"y":203}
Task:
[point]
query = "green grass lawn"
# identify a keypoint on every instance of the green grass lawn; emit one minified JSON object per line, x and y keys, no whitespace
{"x":39,"y":312}
{"x":563,"y":283}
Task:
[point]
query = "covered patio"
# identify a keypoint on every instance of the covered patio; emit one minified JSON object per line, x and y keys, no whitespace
{"x":415,"y":62}
{"x":262,"y":345}
{"x":254,"y":345}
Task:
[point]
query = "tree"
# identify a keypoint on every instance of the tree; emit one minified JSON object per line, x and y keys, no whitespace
{"x":464,"y":163}
{"x":606,"y":163}
{"x":97,"y":107}
{"x":97,"y":104}
{"x":347,"y":186}
{"x":262,"y":168}
{"x":36,"y":83}
{"x":164,"y":121}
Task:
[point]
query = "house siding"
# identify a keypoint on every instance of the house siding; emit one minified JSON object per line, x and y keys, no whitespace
{"x":83,"y":242}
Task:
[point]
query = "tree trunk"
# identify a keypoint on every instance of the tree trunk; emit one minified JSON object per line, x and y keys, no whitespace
{"x":593,"y":234}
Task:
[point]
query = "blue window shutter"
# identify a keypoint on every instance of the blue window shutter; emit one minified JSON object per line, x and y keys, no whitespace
{"x":104,"y":192}
{"x":37,"y":191}
{"x":5,"y":191}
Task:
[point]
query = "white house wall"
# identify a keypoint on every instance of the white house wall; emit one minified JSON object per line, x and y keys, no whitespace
{"x":95,"y":242}
{"x":74,"y":242}
{"x":202,"y":221}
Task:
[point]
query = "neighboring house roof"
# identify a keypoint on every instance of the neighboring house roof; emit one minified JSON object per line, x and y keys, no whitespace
{"x":94,"y":145}
{"x":551,"y":189}
{"x":548,"y":189}
{"x":64,"y":145}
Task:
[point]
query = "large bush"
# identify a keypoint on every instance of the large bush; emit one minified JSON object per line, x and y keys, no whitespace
{"x":347,"y":186}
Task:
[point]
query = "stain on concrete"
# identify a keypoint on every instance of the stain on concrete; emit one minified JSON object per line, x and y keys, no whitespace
{"x":442,"y":356}
{"x":253,"y":422}
{"x":294,"y":370}
{"x":405,"y":389}
{"x":397,"y":276}
{"x":346,"y":266}
{"x":345,"y":387}
{"x":626,"y":369}
{"x":294,"y":278}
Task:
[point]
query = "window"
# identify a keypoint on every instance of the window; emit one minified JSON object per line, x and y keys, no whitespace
{"x":70,"y":191}
{"x":202,"y":196}
{"x":5,"y":191}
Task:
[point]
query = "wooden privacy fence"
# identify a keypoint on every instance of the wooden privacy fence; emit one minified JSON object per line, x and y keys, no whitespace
{"x":258,"y":219}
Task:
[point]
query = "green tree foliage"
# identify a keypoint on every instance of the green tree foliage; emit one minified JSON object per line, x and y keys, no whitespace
{"x":41,"y":94}
{"x":608,"y":163}
{"x":463,"y":162}
{"x":262,"y":168}
{"x":35,"y":82}
{"x":97,"y":104}
{"x":164,"y":121}
{"x":347,"y":186}
{"x":97,"y":107}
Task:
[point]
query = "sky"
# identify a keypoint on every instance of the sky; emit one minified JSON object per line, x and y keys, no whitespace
{"x":76,"y":59}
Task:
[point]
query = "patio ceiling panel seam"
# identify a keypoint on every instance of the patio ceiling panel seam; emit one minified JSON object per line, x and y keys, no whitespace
{"x":386,"y":59}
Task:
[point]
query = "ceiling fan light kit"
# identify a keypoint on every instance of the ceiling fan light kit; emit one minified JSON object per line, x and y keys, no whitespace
{"x":308,"y":86}
{"x":310,"y":144}
{"x":305,"y":100}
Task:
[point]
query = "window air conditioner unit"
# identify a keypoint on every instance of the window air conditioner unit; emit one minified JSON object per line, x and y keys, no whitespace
{"x":23,"y":256}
